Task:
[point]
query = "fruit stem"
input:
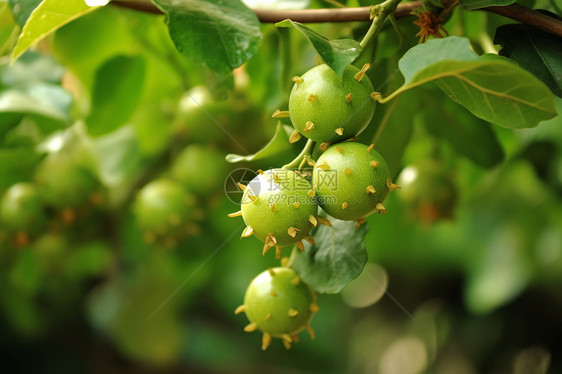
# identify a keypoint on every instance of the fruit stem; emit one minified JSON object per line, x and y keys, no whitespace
{"x":306,"y":151}
{"x":292,"y":257}
{"x":379,"y":13}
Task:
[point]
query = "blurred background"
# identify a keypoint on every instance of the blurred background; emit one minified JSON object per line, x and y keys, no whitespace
{"x":117,"y":256}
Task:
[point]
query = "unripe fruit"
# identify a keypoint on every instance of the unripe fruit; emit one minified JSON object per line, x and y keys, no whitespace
{"x":64,"y":183}
{"x":163,"y":209}
{"x":278,"y":304}
{"x":352,"y":181}
{"x":22,"y":209}
{"x":428,"y":191}
{"x":199,"y":169}
{"x":197,"y":111}
{"x":279,"y":208}
{"x":326,"y":108}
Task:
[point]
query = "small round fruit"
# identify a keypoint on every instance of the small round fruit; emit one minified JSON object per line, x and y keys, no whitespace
{"x":327,"y":108}
{"x":428,"y":191}
{"x":64,"y":183}
{"x":278,"y":304}
{"x":277,"y":207}
{"x":22,"y":209}
{"x":200,"y":169}
{"x":352,"y":181}
{"x":163,"y":209}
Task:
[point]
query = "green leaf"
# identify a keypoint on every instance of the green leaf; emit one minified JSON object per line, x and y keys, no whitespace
{"x":118,"y":156}
{"x":535,"y":50}
{"x":85,"y":54}
{"x":21,"y":9}
{"x":337,"y":258}
{"x":337,"y":53}
{"x":116,"y":92}
{"x":221,"y":35}
{"x":44,"y":100}
{"x":277,"y":145}
{"x":468,"y":135}
{"x":49,"y":16}
{"x":391,"y":129}
{"x":9,"y":30}
{"x":493,"y":89}
{"x":477,"y":4}
{"x":16,"y":165}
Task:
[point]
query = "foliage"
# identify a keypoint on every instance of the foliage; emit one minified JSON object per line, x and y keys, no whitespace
{"x":100,"y":104}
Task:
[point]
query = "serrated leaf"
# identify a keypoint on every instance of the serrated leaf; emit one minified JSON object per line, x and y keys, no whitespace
{"x":493,"y":89}
{"x":116,"y":93}
{"x":277,"y":145}
{"x":338,"y":257}
{"x":221,"y":35}
{"x":535,"y":50}
{"x":49,"y":16}
{"x":477,"y":4}
{"x":336,"y":53}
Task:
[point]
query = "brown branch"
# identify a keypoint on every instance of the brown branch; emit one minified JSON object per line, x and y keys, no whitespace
{"x":514,"y":11}
{"x":303,"y":16}
{"x":330,"y":15}
{"x":529,"y":16}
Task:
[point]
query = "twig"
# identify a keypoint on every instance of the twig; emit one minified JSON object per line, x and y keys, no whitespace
{"x":304,"y":16}
{"x":513,"y":11}
{"x":529,"y":16}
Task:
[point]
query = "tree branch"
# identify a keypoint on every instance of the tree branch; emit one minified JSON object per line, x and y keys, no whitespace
{"x":530,"y":17}
{"x":513,"y":11}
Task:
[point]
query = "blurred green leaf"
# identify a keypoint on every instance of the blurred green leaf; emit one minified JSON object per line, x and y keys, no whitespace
{"x":30,"y":68}
{"x":131,"y":312}
{"x":337,"y":53}
{"x":391,"y":129}
{"x":484,"y":85}
{"x":337,"y":258}
{"x":535,"y":50}
{"x":477,"y":4}
{"x":21,"y":9}
{"x":221,"y":35}
{"x":468,"y":135}
{"x":90,"y":260}
{"x":118,"y":156}
{"x":85,"y":54}
{"x":277,"y":145}
{"x":17,"y":164}
{"x":44,"y":100}
{"x":49,"y":16}
{"x":8,"y":29}
{"x":500,"y":274}
{"x":115,"y":94}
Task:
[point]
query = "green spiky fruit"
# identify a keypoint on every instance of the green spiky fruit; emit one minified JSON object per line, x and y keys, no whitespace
{"x":22,"y":209}
{"x":279,"y":208}
{"x":63,"y":182}
{"x":163,"y":209}
{"x":200,"y":169}
{"x":428,"y":191}
{"x":278,"y":304}
{"x":352,"y":181}
{"x":327,"y":108}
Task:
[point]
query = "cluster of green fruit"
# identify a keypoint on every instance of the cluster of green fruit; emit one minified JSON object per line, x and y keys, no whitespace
{"x":165,"y":208}
{"x":349,"y":181}
{"x":60,"y":187}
